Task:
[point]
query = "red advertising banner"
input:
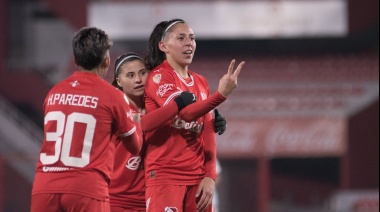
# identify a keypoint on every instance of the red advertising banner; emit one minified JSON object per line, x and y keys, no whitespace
{"x":285,"y":137}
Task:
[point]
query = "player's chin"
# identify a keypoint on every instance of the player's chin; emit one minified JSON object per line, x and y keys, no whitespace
{"x":188,"y":61}
{"x":138,"y":92}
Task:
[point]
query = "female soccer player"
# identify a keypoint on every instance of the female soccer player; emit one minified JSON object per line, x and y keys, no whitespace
{"x":127,"y":187}
{"x":180,"y":158}
{"x":82,"y":112}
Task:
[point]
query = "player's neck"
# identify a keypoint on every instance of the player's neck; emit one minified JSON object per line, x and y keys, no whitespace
{"x":180,"y":70}
{"x":183,"y":73}
{"x":98,"y":71}
{"x":137,"y":102}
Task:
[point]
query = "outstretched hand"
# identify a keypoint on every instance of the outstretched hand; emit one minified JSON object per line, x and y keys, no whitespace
{"x":228,"y":82}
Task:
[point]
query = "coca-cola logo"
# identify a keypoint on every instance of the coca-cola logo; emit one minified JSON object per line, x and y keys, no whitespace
{"x":320,"y":136}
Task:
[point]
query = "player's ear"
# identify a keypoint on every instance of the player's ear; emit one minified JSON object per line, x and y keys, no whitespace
{"x":118,"y":82}
{"x":106,"y":62}
{"x":162,"y":46}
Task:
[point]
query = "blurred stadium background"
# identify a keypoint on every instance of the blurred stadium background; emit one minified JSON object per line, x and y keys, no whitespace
{"x":303,"y":125}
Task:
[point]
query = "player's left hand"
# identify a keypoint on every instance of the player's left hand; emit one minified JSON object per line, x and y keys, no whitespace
{"x":205,"y":193}
{"x":220,"y":123}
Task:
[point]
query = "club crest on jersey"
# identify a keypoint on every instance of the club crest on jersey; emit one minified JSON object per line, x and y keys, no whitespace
{"x":157,"y":78}
{"x":171,"y":209}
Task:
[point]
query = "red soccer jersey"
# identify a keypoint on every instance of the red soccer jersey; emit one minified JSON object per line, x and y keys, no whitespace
{"x":175,"y":153}
{"x":81,"y":114}
{"x":127,"y":187}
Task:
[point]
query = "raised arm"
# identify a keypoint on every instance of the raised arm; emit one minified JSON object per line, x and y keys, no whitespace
{"x":227,"y":84}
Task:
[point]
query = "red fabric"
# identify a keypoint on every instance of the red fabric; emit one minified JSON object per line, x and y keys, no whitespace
{"x":176,"y":151}
{"x":182,"y":198}
{"x":158,"y":117}
{"x":81,"y":114}
{"x":127,"y":186}
{"x":209,"y":138}
{"x":200,"y":108}
{"x":67,"y":202}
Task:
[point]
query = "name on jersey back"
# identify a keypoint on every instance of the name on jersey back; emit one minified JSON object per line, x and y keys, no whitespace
{"x":73,"y":100}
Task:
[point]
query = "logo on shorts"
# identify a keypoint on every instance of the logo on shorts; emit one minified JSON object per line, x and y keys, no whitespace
{"x":157,"y":78}
{"x":171,"y":209}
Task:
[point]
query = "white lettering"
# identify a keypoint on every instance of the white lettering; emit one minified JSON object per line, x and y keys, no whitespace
{"x":94,"y":101}
{"x":50,"y":101}
{"x":163,"y":89}
{"x":62,"y":99}
{"x":56,"y":97}
{"x":69,"y":99}
{"x":73,"y":100}
{"x":314,"y":138}
{"x":55,"y":169}
{"x":193,"y":126}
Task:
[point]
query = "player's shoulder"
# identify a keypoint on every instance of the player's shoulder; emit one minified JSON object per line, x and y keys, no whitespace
{"x":63,"y":84}
{"x":109,"y":87}
{"x":161,"y":69}
{"x":159,"y":74}
{"x":113,"y":92}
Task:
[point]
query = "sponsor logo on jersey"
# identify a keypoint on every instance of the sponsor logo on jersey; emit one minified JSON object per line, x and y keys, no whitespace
{"x":194,"y":98}
{"x":55,"y":169}
{"x":75,"y":83}
{"x":133,"y":163}
{"x":157,"y":78}
{"x":163,"y":89}
{"x":193,"y":126}
{"x":171,"y":209}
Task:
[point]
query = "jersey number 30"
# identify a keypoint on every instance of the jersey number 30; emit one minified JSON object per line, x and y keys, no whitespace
{"x":62,"y":146}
